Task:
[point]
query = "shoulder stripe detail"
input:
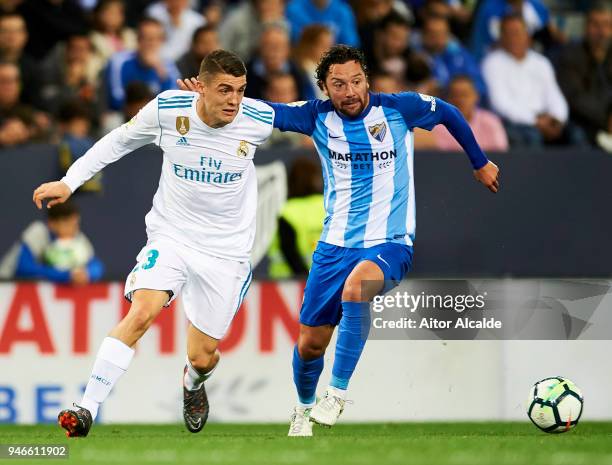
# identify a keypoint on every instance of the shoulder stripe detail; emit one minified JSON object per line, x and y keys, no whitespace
{"x":248,"y":112}
{"x":177,"y":97}
{"x":162,"y":107}
{"x":177,"y":102}
{"x":261,"y":112}
{"x":255,"y":112}
{"x":174,"y":101}
{"x":258,"y":118}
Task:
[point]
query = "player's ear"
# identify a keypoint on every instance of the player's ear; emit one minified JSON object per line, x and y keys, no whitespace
{"x":200,"y":85}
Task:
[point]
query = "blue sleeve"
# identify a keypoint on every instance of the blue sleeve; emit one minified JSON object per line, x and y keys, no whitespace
{"x":296,"y":117}
{"x":418,"y":110}
{"x":29,"y":267}
{"x":459,"y":128}
{"x":95,"y":269}
{"x":424,"y":111}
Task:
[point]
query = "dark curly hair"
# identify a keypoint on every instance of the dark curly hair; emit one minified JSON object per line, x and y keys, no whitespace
{"x":338,"y":55}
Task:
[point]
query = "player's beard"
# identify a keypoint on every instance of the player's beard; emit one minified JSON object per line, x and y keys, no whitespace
{"x":354,"y":106}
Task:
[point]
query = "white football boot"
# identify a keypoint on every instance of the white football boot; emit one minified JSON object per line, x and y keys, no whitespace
{"x":328,"y":409}
{"x":300,"y":423}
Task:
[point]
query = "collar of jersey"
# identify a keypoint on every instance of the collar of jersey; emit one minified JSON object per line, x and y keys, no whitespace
{"x":364,"y":113}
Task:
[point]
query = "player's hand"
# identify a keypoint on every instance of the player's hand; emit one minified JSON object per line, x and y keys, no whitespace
{"x":79,"y":276}
{"x":188,"y":84}
{"x":57,"y":191}
{"x":489,"y":176}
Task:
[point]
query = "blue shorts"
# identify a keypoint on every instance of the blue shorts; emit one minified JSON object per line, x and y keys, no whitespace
{"x":331,"y":265}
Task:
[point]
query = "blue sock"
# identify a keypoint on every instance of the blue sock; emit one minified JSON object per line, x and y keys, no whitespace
{"x":306,"y":376}
{"x":352,"y":335}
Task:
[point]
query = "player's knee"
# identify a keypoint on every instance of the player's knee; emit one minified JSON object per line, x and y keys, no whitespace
{"x":203,"y":361}
{"x":141,"y":316}
{"x":352,"y":291}
{"x":309,"y":350}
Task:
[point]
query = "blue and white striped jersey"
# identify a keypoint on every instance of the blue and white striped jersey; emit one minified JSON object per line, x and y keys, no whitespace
{"x":367,"y":162}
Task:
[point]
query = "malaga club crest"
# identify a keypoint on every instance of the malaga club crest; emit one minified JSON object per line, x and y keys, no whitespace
{"x":182,"y":124}
{"x":378,"y":131}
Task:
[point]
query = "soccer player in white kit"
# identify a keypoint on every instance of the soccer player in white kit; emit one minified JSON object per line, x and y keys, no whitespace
{"x":200,"y":229}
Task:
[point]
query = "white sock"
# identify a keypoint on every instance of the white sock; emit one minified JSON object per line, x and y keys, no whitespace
{"x":302,"y":406}
{"x":193,"y":378}
{"x":112,"y":361}
{"x":337,"y":392}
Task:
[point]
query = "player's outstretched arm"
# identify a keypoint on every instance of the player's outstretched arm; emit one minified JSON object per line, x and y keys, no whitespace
{"x":485,"y":171}
{"x":425,"y":111}
{"x":141,"y":130}
{"x":54,"y":192}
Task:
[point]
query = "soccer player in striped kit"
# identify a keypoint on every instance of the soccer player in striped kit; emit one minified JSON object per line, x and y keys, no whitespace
{"x":365,"y":144}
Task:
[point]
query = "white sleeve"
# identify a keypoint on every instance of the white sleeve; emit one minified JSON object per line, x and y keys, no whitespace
{"x":555,"y":101}
{"x":141,"y":130}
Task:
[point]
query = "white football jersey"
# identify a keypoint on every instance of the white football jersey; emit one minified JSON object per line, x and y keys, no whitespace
{"x":207,"y":195}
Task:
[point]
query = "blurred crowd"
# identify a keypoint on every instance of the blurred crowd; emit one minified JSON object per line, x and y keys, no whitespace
{"x":525,"y":73}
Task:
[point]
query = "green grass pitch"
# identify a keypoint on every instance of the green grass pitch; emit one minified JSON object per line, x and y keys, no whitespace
{"x":367,"y":444}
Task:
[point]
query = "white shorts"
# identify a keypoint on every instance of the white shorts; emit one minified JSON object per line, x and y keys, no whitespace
{"x":211,"y":288}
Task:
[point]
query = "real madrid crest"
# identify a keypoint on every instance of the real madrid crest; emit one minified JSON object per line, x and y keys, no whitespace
{"x":182,"y":124}
{"x":243,"y":149}
{"x":378,"y":131}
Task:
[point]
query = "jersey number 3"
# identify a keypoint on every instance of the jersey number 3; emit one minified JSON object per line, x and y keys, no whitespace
{"x":151,"y":259}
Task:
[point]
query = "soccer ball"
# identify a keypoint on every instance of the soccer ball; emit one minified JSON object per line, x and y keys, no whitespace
{"x":555,"y":404}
